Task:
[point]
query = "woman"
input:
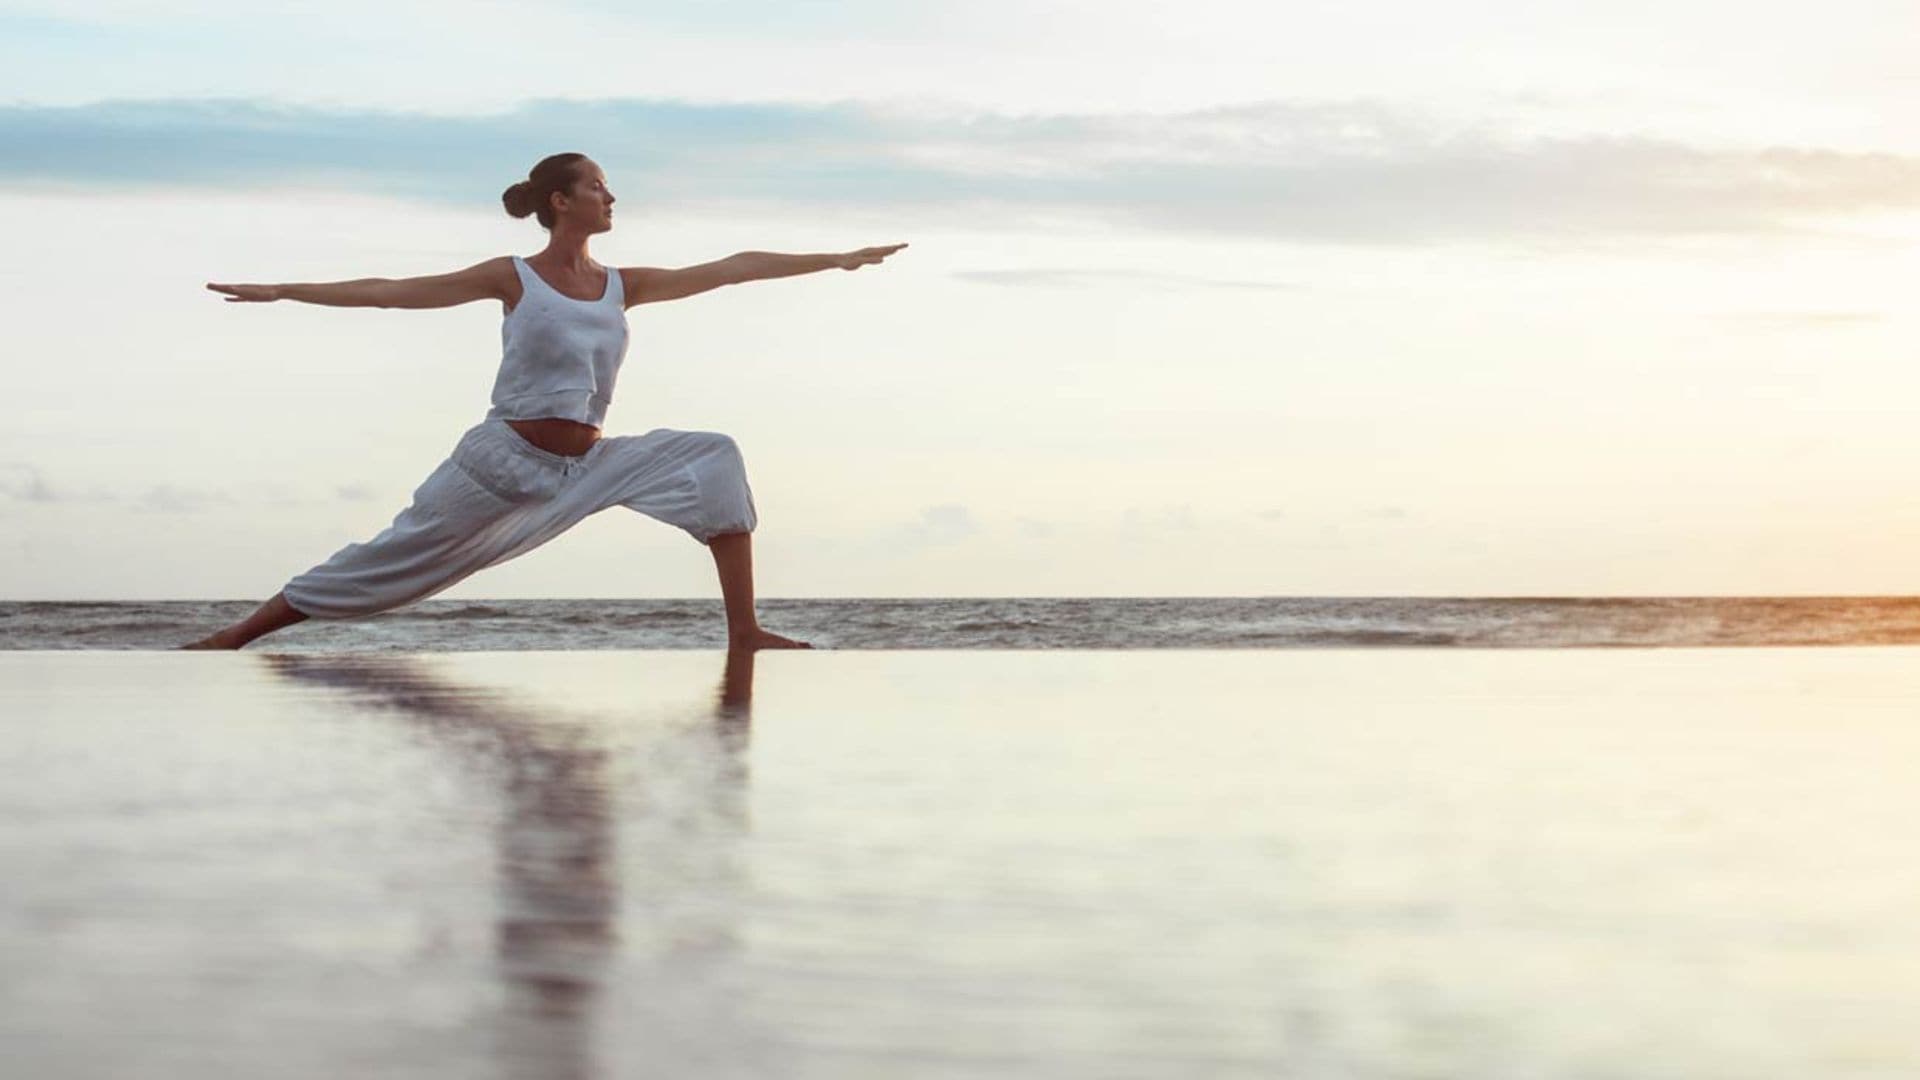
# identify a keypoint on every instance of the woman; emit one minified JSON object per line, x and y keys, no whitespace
{"x":537,"y":464}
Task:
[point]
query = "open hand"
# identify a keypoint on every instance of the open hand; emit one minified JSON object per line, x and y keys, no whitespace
{"x":854,"y":260}
{"x":246,"y":293}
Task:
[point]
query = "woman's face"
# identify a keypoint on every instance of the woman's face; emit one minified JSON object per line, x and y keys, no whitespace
{"x":588,"y":204}
{"x":591,"y":205}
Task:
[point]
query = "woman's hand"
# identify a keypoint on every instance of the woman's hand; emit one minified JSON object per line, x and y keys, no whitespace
{"x":247,"y":293}
{"x":854,"y":260}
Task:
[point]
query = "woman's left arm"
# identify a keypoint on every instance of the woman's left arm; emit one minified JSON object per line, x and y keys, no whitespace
{"x":647,"y":284}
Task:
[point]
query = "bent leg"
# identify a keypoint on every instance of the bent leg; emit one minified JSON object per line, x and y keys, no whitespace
{"x":697,"y":482}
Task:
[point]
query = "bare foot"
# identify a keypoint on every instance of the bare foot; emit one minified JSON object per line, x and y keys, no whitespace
{"x":211,"y":641}
{"x":763,"y":639}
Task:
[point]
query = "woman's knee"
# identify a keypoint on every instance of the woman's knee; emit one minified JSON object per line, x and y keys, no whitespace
{"x":719,"y":461}
{"x":725,"y":494}
{"x":721,"y":445}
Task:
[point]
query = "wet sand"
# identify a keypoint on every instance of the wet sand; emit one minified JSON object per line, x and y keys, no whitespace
{"x":1327,"y":863}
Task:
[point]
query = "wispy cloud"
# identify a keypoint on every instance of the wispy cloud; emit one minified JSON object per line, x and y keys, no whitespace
{"x":24,"y":483}
{"x":1143,"y":519}
{"x":1349,"y":173}
{"x":947,"y":523}
{"x":1081,"y":277}
{"x":1803,"y":318}
{"x":173,"y":499}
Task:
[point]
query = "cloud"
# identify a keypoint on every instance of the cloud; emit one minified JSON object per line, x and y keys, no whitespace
{"x":1158,"y":518}
{"x":24,"y":483}
{"x":170,"y":499}
{"x":947,"y":523}
{"x":1316,"y":172}
{"x":1082,"y":276}
{"x":1803,"y":318}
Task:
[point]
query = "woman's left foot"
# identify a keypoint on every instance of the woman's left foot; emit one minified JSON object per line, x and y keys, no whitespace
{"x":764,"y":639}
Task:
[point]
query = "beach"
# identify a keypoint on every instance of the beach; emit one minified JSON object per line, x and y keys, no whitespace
{"x":1329,"y":862}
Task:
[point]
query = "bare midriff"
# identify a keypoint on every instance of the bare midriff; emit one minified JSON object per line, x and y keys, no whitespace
{"x":569,"y":438}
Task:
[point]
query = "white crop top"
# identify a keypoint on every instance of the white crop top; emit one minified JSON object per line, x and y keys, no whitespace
{"x":560,"y":356}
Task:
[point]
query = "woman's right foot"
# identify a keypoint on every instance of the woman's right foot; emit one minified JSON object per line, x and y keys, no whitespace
{"x":211,"y":641}
{"x":763,"y":639}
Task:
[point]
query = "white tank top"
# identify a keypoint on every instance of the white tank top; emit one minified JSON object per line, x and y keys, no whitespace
{"x":560,"y":356}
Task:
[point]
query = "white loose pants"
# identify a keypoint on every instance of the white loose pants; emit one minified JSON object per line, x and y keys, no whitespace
{"x":498,"y":496}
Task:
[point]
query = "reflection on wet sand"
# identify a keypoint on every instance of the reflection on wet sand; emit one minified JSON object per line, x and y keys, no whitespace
{"x":557,"y":924}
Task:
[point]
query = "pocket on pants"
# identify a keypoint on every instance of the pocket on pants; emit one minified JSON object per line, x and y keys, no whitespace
{"x":491,"y":463}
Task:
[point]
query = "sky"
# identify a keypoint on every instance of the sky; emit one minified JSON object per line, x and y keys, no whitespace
{"x":1373,"y":297}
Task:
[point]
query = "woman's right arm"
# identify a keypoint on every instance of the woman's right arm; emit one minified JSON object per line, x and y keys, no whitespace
{"x":482,"y":281}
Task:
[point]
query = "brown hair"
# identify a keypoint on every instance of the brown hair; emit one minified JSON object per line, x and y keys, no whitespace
{"x":534,"y":194}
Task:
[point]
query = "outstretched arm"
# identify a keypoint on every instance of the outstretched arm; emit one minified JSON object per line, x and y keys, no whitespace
{"x":646,"y":284}
{"x":481,"y":281}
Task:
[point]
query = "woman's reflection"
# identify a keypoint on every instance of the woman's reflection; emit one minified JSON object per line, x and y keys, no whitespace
{"x":558,"y":867}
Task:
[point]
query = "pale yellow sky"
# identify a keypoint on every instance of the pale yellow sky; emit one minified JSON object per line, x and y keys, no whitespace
{"x":1495,"y":350}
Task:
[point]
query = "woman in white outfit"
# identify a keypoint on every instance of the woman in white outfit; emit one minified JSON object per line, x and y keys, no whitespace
{"x":538,"y":464}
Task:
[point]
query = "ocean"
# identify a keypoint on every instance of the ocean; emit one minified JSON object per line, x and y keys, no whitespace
{"x":1004,"y":623}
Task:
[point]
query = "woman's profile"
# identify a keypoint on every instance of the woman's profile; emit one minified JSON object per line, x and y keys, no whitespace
{"x":537,"y":464}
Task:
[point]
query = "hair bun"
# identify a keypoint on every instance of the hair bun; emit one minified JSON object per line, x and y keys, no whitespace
{"x":515,"y":198}
{"x":534,"y":195}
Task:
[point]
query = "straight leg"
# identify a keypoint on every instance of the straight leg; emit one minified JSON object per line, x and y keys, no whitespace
{"x":454,"y":527}
{"x":268,"y":617}
{"x":732,"y":559}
